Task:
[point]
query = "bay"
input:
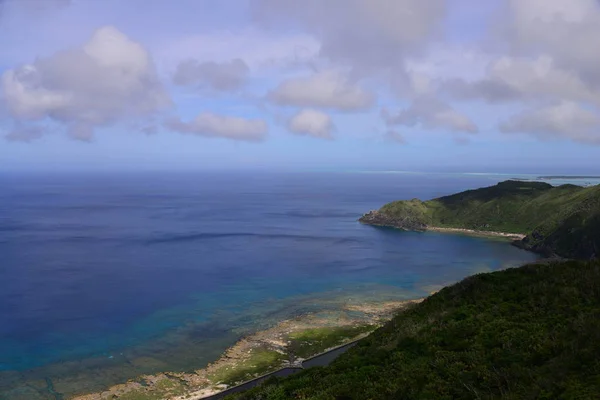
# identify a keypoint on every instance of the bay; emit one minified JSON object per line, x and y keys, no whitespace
{"x":169,"y":269}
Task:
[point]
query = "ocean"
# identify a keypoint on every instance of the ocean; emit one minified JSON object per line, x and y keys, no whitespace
{"x":106,"y":276}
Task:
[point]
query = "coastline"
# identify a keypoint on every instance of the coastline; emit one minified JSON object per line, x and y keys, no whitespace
{"x":255,"y":354}
{"x":285,"y":345}
{"x":473,"y":232}
{"x":378,"y":218}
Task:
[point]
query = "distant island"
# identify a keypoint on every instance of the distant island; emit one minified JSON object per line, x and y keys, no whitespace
{"x":561,"y":221}
{"x":568,"y":177}
{"x":583,"y":180}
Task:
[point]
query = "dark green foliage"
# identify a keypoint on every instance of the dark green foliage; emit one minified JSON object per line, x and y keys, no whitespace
{"x":561,"y":220}
{"x":526,"y":333}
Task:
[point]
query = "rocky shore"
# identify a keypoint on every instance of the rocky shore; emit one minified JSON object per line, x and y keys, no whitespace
{"x":286,"y":344}
{"x":409,"y":223}
{"x":405,"y":222}
{"x":513,"y":236}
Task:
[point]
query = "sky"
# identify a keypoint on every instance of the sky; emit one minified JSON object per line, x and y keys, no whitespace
{"x":421,"y":85}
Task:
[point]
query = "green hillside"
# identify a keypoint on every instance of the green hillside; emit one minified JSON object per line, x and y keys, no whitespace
{"x":526,"y":333}
{"x":563,"y":220}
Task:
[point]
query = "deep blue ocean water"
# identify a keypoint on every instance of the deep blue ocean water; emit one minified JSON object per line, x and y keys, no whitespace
{"x":102,"y":266}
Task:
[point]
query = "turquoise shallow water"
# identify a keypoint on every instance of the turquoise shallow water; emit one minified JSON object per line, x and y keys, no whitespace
{"x":105,"y":277}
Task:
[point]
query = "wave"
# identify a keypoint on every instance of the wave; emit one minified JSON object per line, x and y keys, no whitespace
{"x":182,"y":238}
{"x":11,"y":225}
{"x":93,"y":207}
{"x":11,"y":228}
{"x":37,"y":239}
{"x":211,"y":236}
{"x":316,"y":214}
{"x":34,"y":227}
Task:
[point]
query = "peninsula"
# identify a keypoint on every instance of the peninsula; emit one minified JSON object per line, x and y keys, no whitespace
{"x":561,"y":221}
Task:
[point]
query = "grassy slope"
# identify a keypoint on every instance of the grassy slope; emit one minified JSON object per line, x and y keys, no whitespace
{"x":305,"y":344}
{"x":530,"y":332}
{"x":564,"y":219}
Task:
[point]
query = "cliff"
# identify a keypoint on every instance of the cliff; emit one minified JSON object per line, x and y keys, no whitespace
{"x":562,"y":221}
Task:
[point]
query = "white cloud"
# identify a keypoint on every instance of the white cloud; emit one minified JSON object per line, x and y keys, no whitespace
{"x":431,"y":113}
{"x":461,"y":140}
{"x":24,"y":134}
{"x":544,"y":53}
{"x":551,"y":58}
{"x":312,"y":123}
{"x":394,"y":137}
{"x":490,"y":90}
{"x":111,"y":78}
{"x":449,"y":60}
{"x":225,"y":76}
{"x":214,"y":125}
{"x":566,"y":31}
{"x":32,"y":8}
{"x":521,"y":79}
{"x":363,"y":34}
{"x":563,"y":120}
{"x":327,"y":89}
{"x":540,"y":77}
{"x":262,"y":51}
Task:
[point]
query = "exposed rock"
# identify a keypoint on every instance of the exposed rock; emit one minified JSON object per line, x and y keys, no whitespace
{"x":203,"y":382}
{"x":404,"y":222}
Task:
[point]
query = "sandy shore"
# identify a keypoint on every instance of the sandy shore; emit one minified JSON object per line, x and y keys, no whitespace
{"x":277,"y":344}
{"x":515,"y":236}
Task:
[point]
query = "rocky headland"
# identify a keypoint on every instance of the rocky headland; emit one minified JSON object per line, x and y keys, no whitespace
{"x":377,"y":218}
{"x":560,"y":222}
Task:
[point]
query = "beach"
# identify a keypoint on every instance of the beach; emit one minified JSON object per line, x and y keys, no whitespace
{"x":513,"y":236}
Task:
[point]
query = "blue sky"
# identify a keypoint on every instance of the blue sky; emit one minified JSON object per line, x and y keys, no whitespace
{"x":500,"y":85}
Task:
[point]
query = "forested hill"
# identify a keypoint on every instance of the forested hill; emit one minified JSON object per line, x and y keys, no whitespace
{"x":525,"y":333}
{"x":562,"y":220}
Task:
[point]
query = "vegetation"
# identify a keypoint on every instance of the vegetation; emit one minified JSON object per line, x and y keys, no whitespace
{"x":164,"y":388}
{"x":260,"y":362}
{"x":309,"y":342}
{"x":563,"y":220}
{"x":524,"y":333}
{"x":260,"y":359}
